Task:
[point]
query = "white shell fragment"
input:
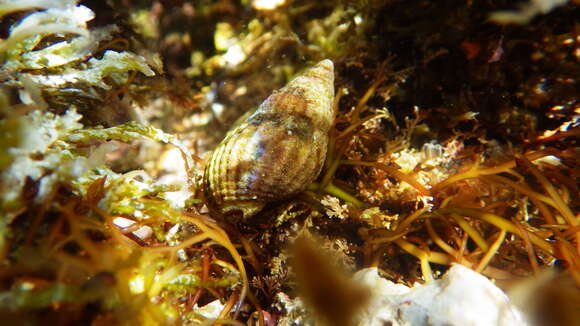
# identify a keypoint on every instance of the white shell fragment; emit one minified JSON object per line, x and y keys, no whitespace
{"x":461,"y":297}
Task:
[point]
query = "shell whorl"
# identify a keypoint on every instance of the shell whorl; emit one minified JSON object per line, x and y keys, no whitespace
{"x":277,"y":151}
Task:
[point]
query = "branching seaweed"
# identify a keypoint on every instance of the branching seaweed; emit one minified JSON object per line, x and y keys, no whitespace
{"x":426,"y":166}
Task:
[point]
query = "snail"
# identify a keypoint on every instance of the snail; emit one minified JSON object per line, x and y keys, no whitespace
{"x":277,"y":151}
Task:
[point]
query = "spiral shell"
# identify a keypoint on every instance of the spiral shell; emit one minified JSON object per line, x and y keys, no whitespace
{"x":277,"y":151}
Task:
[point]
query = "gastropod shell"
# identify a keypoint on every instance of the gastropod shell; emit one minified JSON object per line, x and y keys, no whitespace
{"x":277,"y":151}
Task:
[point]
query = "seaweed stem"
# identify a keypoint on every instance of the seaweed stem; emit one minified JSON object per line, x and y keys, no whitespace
{"x":417,"y":214}
{"x":560,"y":205}
{"x":360,"y":122}
{"x":571,"y":257}
{"x":220,"y":236}
{"x":370,"y":91}
{"x":499,"y":222}
{"x":521,"y":188}
{"x":472,"y":232}
{"x":342,"y":194}
{"x":529,"y":248}
{"x":435,"y":237}
{"x":551,"y":190}
{"x":393,"y":172}
{"x":431,"y":256}
{"x":426,"y":270}
{"x":475,"y":171}
{"x":491,"y":252}
{"x":327,"y":178}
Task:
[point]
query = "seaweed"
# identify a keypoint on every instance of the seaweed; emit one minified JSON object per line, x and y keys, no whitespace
{"x":455,"y":142}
